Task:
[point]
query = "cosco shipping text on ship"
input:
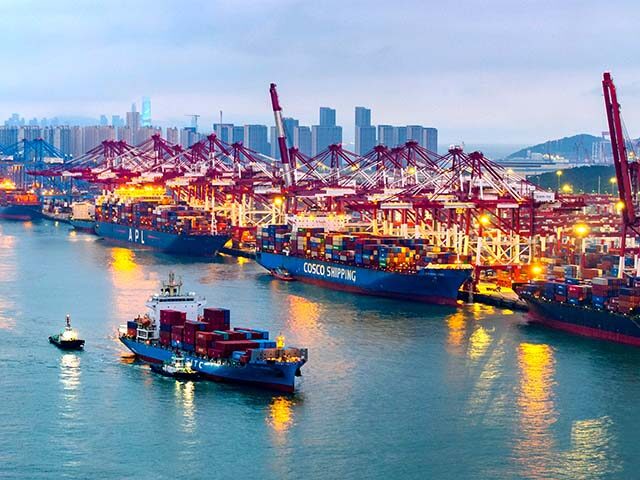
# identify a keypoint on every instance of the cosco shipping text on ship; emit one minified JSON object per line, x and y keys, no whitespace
{"x":328,"y":271}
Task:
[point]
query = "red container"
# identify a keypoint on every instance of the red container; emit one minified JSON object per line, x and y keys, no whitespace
{"x":165,"y":338}
{"x":233,"y":335}
{"x":201,"y":350}
{"x":204,"y":338}
{"x":172,"y":317}
{"x":228,"y":346}
{"x":132,"y":332}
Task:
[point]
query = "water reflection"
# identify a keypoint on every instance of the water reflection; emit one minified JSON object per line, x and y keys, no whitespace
{"x":184,"y":394}
{"x":535,"y":444}
{"x":280,"y":417}
{"x":457,"y":329}
{"x":593,"y":453}
{"x":70,"y":380}
{"x":302,"y":318}
{"x":479,"y":343}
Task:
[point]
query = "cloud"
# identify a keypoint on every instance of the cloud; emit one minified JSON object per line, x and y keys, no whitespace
{"x":482,"y":71}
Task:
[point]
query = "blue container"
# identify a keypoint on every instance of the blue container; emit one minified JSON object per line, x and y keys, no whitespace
{"x":262,"y":343}
{"x":572,"y":281}
{"x":132,"y":324}
{"x":187,"y":347}
{"x":176,"y":344}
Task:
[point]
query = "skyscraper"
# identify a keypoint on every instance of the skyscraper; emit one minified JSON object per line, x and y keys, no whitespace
{"x":117,"y":121}
{"x":302,"y":140}
{"x":146,"y":112}
{"x":327,"y":117}
{"x":322,"y":136}
{"x":365,"y":139}
{"x":224,"y":131}
{"x":363,"y":117}
{"x":430,"y":139}
{"x":414,"y":132}
{"x":386,"y":135}
{"x":365,"y":133}
{"x":104,"y":121}
{"x":289,"y":125}
{"x":238,"y":134}
{"x":255,"y":138}
{"x":133,"y":119}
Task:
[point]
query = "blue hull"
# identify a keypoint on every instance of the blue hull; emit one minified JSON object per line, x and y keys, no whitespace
{"x":21,"y":212}
{"x":431,"y":285}
{"x":87,"y":226}
{"x":276,"y":376}
{"x":194,"y":245}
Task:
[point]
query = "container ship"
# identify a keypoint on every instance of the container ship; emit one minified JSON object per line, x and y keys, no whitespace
{"x":410,"y":269}
{"x":178,"y":323}
{"x":158,"y":222}
{"x":18,"y":204}
{"x":603,"y":307}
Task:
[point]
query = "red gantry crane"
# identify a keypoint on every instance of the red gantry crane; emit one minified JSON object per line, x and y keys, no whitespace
{"x":626,"y":172}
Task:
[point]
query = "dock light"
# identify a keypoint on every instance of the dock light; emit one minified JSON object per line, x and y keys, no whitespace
{"x":280,"y":341}
{"x":581,"y":230}
{"x":566,"y":188}
{"x":613,"y":180}
{"x":277,"y":201}
{"x":536,"y":269}
{"x":7,"y":184}
{"x":412,"y":170}
{"x":619,"y":206}
{"x":484,"y":220}
{"x":559,"y":173}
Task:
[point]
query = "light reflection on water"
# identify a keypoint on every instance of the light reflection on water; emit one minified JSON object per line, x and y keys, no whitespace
{"x":184,"y":394}
{"x":131,"y":287}
{"x":537,"y":413}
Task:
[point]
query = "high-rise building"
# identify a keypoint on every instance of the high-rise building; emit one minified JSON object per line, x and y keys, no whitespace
{"x":238,"y":134}
{"x":327,"y":117}
{"x":414,"y":132}
{"x":133,"y":119}
{"x":386,"y":135}
{"x":430,"y":139}
{"x":188,"y":136}
{"x":363,"y":117}
{"x":117,"y":121}
{"x":104,"y":121}
{"x":365,"y":133}
{"x":322,"y":136}
{"x":302,"y":140}
{"x":173,"y":135}
{"x":289,"y":125}
{"x":256,"y":138}
{"x":145,"y":118}
{"x":365,"y":139}
{"x":400,"y":136}
{"x":224,"y":131}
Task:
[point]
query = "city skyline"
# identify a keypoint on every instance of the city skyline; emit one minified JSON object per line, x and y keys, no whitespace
{"x":510,"y":74}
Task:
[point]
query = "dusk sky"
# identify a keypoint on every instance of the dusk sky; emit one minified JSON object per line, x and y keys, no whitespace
{"x":494,"y":71}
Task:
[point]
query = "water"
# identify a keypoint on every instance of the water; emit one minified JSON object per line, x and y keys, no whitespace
{"x":392,"y":389}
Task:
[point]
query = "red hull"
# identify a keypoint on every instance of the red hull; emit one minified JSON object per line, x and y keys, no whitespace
{"x":585,"y":331}
{"x":450,"y":302}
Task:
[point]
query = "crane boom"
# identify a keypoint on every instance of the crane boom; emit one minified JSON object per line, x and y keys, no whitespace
{"x":282,"y":139}
{"x":618,"y":146}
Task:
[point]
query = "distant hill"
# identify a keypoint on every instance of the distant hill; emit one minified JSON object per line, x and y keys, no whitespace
{"x":581,"y":179}
{"x":577,"y":147}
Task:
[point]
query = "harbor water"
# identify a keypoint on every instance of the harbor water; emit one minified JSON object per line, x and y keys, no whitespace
{"x":392,"y":389}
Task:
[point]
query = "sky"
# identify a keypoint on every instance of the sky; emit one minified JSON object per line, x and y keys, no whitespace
{"x":504,"y":71}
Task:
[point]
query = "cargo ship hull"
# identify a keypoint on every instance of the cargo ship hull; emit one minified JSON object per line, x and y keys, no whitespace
{"x":87,"y":226}
{"x":193,"y":245}
{"x":430,"y":285}
{"x":280,"y":377}
{"x":585,"y":321}
{"x":21,"y":213}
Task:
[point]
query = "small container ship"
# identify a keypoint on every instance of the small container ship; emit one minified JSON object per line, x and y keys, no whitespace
{"x":18,"y":204}
{"x":410,"y":269}
{"x":147,"y":217}
{"x":179,"y":324}
{"x":603,"y":307}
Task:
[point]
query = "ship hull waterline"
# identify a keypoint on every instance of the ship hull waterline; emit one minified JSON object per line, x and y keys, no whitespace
{"x":20,"y":213}
{"x":191,"y":245}
{"x":437,"y":286}
{"x":278,"y":377}
{"x":586,"y":322}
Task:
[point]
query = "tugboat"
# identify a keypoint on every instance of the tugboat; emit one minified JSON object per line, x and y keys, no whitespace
{"x":67,"y":339}
{"x":281,"y":274}
{"x":177,"y":367}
